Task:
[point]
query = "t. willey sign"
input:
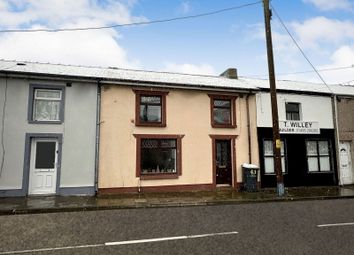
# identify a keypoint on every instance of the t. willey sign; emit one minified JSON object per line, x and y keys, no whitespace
{"x":298,"y":127}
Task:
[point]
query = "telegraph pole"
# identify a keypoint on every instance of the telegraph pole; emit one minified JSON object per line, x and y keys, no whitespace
{"x":273,"y":97}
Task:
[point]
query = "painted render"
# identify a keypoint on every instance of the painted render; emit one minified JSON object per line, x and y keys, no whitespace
{"x":78,"y":133}
{"x":188,"y":114}
{"x":313,"y":108}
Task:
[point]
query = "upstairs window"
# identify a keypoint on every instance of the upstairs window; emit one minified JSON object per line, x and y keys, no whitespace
{"x":150,"y":108}
{"x":223,"y":111}
{"x":46,"y":104}
{"x":292,"y":111}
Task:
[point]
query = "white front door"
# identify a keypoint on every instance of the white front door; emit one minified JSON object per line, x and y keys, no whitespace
{"x":43,"y":168}
{"x":346,"y":171}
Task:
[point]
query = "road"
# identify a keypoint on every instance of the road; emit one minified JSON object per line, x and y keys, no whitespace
{"x":261,"y":228}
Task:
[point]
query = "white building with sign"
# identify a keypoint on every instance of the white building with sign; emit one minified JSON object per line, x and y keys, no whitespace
{"x":306,"y":130}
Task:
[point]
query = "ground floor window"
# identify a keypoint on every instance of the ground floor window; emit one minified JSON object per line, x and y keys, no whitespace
{"x":158,"y":156}
{"x":318,"y":156}
{"x":268,"y":156}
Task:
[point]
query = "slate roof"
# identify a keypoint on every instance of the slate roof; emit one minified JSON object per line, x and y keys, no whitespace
{"x":115,"y":74}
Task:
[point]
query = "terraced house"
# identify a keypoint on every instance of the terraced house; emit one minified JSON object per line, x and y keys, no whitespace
{"x":72,"y":130}
{"x":165,"y":132}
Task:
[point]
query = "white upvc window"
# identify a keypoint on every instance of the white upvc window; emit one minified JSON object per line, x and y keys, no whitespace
{"x":47,"y":105}
{"x":318,"y":156}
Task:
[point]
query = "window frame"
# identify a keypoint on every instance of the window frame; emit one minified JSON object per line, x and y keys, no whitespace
{"x":284,"y":171}
{"x":157,"y":176}
{"x":32,"y":98}
{"x":292,"y":112}
{"x":141,"y":93}
{"x":232,"y":99}
{"x":318,"y":156}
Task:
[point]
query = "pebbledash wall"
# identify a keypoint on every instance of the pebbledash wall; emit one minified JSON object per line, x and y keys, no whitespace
{"x":187,"y":114}
{"x":76,"y":135}
{"x":345,"y":112}
{"x":314,"y":108}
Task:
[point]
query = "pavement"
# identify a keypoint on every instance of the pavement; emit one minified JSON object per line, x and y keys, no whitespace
{"x":48,"y":204}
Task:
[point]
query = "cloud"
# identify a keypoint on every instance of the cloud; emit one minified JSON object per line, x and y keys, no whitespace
{"x":95,"y":47}
{"x":328,"y":5}
{"x":342,"y":57}
{"x":319,"y":30}
{"x":204,"y":69}
{"x":186,"y":7}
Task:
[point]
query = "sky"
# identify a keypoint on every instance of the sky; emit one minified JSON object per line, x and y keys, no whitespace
{"x":206,"y":45}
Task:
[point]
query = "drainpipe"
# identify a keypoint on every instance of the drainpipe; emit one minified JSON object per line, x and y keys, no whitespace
{"x":98,"y":122}
{"x":336,"y":134}
{"x":248,"y":130}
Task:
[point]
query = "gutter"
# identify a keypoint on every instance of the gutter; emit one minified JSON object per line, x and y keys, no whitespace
{"x":98,"y":123}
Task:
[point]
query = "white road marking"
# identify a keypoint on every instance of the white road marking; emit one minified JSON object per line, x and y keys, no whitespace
{"x":336,"y":224}
{"x":121,"y":243}
{"x":151,"y":240}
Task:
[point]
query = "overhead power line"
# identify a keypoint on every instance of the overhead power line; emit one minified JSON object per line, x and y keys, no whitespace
{"x":305,"y":72}
{"x":298,"y":46}
{"x":130,"y":24}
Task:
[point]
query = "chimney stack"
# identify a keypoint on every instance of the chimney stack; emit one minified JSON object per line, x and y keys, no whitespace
{"x":230,"y":73}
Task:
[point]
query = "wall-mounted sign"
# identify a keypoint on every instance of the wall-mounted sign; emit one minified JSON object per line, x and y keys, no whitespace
{"x":298,"y":127}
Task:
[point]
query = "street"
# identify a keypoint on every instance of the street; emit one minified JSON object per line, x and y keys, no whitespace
{"x":260,"y":228}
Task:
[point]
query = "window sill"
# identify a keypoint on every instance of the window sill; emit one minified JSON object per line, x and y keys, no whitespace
{"x":158,"y":176}
{"x":150,"y":124}
{"x":223,"y":126}
{"x":45,"y":122}
{"x":321,"y":172}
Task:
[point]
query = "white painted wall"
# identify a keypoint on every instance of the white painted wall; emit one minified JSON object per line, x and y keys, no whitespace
{"x":313,"y":108}
{"x":78,"y":130}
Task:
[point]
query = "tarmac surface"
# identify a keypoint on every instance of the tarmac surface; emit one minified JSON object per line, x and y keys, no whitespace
{"x":48,"y":204}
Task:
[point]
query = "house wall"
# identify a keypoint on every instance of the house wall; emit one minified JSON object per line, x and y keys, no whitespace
{"x":188,"y":114}
{"x":78,"y":131}
{"x":345,"y":111}
{"x":313,"y":108}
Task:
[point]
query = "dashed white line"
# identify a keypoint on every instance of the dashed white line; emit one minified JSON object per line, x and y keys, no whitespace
{"x":138,"y":241}
{"x":151,"y":240}
{"x":336,"y":224}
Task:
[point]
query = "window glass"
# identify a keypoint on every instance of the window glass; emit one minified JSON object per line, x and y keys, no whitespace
{"x":46,"y":105}
{"x":150,"y":108}
{"x":313,"y":164}
{"x":311,"y":147}
{"x":318,"y":156}
{"x":151,"y":99}
{"x":292,"y":111}
{"x":222,"y":116}
{"x":158,"y":156}
{"x":269,"y":165}
{"x":268,"y":147}
{"x":222,"y":103}
{"x":222,"y":111}
{"x":150,"y":113}
{"x":46,"y":110}
{"x":45,"y":155}
{"x":50,"y":94}
{"x":269,"y":159}
{"x":323,"y":147}
{"x":324,"y":163}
